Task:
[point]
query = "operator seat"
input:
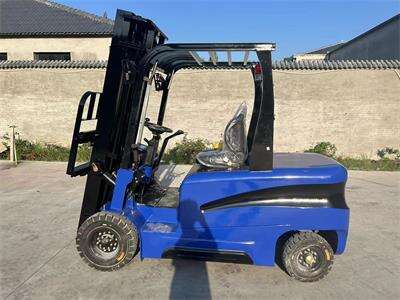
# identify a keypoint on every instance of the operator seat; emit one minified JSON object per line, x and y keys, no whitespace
{"x":234,"y":149}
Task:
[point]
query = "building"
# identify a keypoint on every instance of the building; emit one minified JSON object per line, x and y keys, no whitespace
{"x":380,"y":42}
{"x":45,"y":30}
{"x":41,"y":97}
{"x":318,"y":54}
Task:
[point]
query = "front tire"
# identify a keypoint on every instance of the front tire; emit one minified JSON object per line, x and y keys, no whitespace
{"x":307,"y":256}
{"x":107,"y":241}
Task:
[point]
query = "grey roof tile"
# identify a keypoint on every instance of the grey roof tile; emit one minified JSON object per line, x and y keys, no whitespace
{"x":277,"y":65}
{"x":47,"y":18}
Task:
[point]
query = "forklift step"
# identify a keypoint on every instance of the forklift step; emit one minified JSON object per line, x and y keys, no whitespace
{"x":208,"y":255}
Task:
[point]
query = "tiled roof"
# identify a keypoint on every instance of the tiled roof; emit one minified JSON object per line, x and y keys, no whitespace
{"x":395,"y":18}
{"x":277,"y":65}
{"x":53,"y":64}
{"x":47,"y":18}
{"x":336,"y":64}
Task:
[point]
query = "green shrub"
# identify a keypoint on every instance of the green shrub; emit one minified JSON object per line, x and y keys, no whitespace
{"x":185,"y":152}
{"x":27,"y":150}
{"x":388,"y":153}
{"x":325,"y":148}
{"x":5,"y":155}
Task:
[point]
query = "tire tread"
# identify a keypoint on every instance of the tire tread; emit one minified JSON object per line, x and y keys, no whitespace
{"x":290,"y":246}
{"x":124,"y":224}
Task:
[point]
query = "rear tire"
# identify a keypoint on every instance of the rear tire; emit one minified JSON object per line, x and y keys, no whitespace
{"x":307,"y":256}
{"x":107,"y":241}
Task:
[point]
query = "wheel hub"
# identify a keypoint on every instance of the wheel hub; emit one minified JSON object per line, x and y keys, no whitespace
{"x":106,"y":241}
{"x":308,"y":258}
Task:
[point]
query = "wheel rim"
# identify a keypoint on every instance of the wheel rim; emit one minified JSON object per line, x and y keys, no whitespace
{"x":310,"y":259}
{"x":104,"y":242}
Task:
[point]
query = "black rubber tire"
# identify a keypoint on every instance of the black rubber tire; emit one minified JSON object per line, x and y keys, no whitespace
{"x":294,"y":250}
{"x":126,"y":241}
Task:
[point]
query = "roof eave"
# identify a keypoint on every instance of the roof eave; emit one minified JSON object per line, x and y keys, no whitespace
{"x":55,"y":35}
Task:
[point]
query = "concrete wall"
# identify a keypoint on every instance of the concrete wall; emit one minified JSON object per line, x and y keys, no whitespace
{"x":357,"y":110}
{"x":80,"y":48}
{"x":382,"y":43}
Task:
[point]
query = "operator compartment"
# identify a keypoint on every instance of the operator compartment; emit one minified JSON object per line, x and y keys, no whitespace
{"x":148,"y":189}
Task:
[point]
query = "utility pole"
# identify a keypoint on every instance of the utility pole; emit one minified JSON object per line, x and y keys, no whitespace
{"x":13,"y":149}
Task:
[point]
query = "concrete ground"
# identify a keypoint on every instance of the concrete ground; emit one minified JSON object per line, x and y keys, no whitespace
{"x":39,"y":212}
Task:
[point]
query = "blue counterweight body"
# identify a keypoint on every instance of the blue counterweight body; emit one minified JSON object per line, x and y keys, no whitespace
{"x":242,"y":212}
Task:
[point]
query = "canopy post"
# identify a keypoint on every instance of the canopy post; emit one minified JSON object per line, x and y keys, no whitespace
{"x":246,"y":57}
{"x":196,"y":57}
{"x":229,"y":54}
{"x":143,"y":114}
{"x":261,"y":154}
{"x":164,"y":99}
{"x":213,"y":57}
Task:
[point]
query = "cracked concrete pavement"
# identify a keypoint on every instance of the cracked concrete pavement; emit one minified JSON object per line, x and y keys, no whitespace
{"x":39,"y":212}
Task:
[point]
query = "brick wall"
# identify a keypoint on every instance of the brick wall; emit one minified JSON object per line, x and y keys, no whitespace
{"x":357,"y":110}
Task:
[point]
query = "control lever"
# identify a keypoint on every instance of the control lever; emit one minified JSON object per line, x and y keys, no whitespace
{"x":164,"y":145}
{"x":96,"y":169}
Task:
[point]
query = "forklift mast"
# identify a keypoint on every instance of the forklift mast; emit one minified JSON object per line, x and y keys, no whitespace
{"x":118,"y":106}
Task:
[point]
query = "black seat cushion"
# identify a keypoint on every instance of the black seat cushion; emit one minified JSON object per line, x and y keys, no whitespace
{"x":234,"y":150}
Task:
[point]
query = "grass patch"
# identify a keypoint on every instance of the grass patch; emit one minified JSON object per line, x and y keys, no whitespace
{"x":389,"y":158}
{"x":364,"y":164}
{"x":185,"y":152}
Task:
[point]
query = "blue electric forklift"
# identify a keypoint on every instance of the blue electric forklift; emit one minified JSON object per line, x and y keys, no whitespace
{"x":243,"y":204}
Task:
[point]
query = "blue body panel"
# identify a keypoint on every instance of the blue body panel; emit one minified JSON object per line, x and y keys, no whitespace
{"x":253,"y":230}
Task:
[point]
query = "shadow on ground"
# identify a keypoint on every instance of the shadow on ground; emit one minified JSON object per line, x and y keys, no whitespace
{"x":191,"y":279}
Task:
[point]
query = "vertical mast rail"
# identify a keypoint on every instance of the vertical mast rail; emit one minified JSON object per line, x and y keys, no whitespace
{"x":213,"y":57}
{"x":246,"y":57}
{"x":229,"y":54}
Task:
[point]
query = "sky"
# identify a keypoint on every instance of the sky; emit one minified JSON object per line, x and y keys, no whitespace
{"x":295,"y":26}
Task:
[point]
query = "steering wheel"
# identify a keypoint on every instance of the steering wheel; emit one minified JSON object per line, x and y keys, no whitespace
{"x":155,"y":128}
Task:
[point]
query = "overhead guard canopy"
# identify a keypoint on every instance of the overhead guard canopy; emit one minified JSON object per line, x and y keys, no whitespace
{"x":172,"y":57}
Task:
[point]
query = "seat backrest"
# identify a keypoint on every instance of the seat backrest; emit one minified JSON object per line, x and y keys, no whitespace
{"x":235,"y":139}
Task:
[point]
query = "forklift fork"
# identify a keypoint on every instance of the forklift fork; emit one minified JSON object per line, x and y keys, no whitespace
{"x":82,"y":137}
